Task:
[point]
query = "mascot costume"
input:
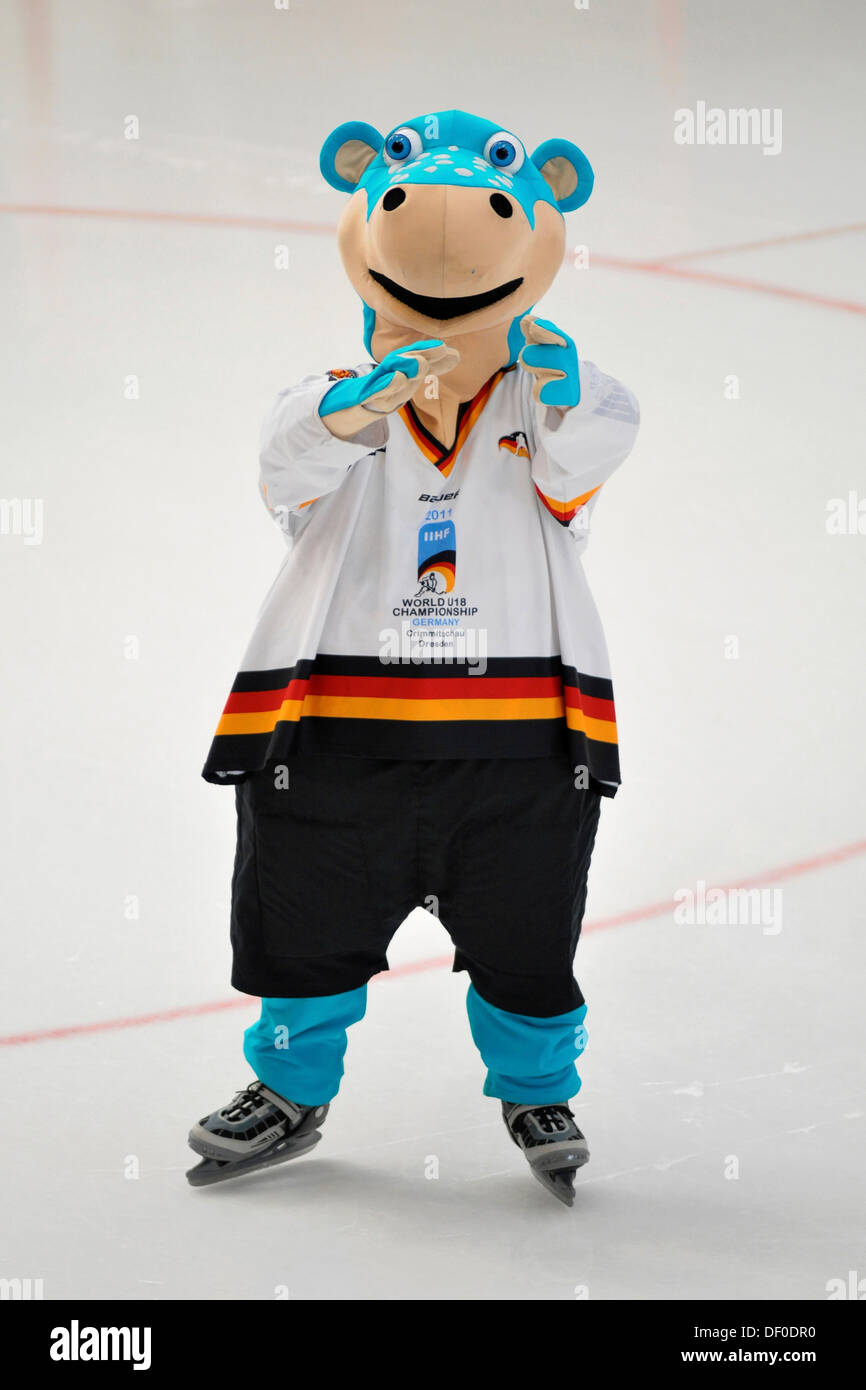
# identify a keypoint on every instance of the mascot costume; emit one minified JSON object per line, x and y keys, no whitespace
{"x":425,"y":711}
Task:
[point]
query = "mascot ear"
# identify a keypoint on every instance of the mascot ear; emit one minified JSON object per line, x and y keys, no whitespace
{"x":347,"y":152}
{"x":567,"y":170}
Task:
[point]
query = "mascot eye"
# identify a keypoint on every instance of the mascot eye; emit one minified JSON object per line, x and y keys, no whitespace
{"x":401,"y":145}
{"x":504,"y":151}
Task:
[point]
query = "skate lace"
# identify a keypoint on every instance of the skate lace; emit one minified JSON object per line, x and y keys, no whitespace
{"x":245,"y":1104}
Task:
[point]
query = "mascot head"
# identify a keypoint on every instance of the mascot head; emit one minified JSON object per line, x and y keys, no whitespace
{"x":452,"y":227}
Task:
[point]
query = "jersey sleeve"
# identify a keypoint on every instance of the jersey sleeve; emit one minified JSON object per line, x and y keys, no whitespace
{"x":300,"y":460}
{"x":577,"y":449}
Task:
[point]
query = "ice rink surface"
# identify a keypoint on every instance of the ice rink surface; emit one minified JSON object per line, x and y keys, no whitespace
{"x":723,"y":1089}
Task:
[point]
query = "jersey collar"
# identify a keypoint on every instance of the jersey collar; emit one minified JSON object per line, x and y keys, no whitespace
{"x":467,"y":414}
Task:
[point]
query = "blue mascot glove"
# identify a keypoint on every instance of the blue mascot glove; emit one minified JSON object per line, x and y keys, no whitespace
{"x":551,"y":356}
{"x":352,"y":404}
{"x":358,"y":389}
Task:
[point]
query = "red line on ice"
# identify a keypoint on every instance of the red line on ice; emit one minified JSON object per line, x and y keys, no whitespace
{"x":785,"y":240}
{"x":660,"y":266}
{"x":194,"y":219}
{"x":638,"y":914}
{"x":733,"y":282}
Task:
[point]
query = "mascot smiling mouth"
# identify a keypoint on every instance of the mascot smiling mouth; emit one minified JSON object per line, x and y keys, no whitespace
{"x":433,"y":308}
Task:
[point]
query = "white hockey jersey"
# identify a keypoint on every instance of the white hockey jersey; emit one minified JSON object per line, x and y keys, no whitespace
{"x":433,"y":603}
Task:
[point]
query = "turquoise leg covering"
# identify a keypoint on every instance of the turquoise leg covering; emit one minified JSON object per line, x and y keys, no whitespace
{"x":531,"y":1060}
{"x":297,"y":1046}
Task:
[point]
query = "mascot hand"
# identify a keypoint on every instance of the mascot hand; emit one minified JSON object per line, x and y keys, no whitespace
{"x":356,"y":402}
{"x":551,"y":357}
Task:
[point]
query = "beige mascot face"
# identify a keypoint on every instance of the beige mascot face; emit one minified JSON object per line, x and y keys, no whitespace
{"x":452,"y":228}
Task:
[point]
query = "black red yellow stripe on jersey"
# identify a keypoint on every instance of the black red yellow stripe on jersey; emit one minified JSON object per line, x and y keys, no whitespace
{"x":522,"y":707}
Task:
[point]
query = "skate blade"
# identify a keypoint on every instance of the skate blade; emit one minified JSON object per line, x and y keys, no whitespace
{"x":213,"y":1170}
{"x":557,"y":1187}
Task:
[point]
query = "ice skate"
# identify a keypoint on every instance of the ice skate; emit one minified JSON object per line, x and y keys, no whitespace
{"x":551,"y":1142}
{"x":257,"y":1129}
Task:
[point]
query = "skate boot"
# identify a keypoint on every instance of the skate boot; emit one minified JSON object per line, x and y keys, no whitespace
{"x":551,"y":1142}
{"x":255,"y":1130}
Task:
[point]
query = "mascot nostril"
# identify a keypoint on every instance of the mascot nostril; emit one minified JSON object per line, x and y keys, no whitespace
{"x":429,"y":653}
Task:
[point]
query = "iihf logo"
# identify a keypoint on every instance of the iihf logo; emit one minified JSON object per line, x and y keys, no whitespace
{"x":437,"y":557}
{"x":516,"y":443}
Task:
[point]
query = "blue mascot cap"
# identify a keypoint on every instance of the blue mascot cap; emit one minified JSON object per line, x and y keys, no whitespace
{"x":454,"y":147}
